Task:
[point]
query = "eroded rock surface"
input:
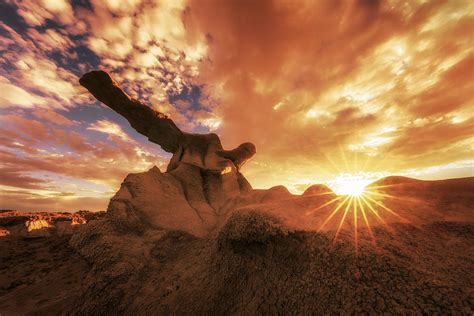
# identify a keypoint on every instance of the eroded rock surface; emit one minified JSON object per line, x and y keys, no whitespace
{"x":201,"y":176}
{"x":257,"y":265}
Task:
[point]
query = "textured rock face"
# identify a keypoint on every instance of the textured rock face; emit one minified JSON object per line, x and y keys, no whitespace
{"x":202,"y":150}
{"x":201,"y":176}
{"x":186,"y":198}
{"x":159,"y":200}
{"x":191,"y":200}
{"x":199,"y":202}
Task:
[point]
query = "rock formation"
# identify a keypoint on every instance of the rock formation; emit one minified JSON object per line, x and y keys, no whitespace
{"x":202,"y":150}
{"x":201,"y":176}
{"x":42,"y":224}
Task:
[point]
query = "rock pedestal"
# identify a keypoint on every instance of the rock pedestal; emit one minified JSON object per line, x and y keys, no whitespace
{"x":201,"y":176}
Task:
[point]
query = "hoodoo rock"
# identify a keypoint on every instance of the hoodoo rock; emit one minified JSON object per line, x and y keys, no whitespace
{"x":201,"y":176}
{"x":202,"y":150}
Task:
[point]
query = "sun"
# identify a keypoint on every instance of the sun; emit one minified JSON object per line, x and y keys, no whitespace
{"x":360,"y":202}
{"x":349,"y":184}
{"x":352,"y":188}
{"x":357,"y":203}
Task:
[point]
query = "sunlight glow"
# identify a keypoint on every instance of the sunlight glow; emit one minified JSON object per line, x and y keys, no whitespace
{"x":36,"y":224}
{"x":355,"y":207}
{"x":349,"y":184}
{"x":4,"y":232}
{"x":359,"y":205}
{"x":352,"y":188}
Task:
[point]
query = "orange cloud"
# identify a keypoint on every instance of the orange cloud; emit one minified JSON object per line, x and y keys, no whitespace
{"x":35,"y":13}
{"x":53,"y":117}
{"x":321,"y":87}
{"x":32,"y":160}
{"x":309,"y":82}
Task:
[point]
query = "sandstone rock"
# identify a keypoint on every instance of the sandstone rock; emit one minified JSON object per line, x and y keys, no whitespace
{"x":201,"y":177}
{"x":157,"y":126}
{"x":158,"y":200}
{"x":202,"y":150}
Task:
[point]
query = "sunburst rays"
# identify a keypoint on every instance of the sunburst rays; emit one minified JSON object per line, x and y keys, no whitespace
{"x":359,"y":212}
{"x":360,"y":204}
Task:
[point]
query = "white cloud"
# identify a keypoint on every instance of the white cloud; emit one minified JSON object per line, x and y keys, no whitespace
{"x":12,"y":96}
{"x":108,"y":127}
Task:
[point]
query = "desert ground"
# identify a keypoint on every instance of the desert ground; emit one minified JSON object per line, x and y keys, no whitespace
{"x":266,"y":254}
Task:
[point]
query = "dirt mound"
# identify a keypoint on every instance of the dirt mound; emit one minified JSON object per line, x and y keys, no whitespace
{"x":318,"y":189}
{"x":255,"y":265}
{"x":245,"y":229}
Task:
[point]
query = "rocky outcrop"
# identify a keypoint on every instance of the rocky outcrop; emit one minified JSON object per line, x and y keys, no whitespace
{"x":200,"y":179}
{"x":203,"y":150}
{"x":43,"y":224}
{"x":202,"y":185}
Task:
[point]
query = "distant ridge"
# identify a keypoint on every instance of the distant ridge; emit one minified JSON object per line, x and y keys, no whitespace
{"x":317,"y":189}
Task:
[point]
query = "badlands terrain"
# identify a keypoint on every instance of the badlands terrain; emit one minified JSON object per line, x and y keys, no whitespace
{"x":265,"y":253}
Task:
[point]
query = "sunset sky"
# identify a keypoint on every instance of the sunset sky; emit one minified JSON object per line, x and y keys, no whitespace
{"x":326,"y":90}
